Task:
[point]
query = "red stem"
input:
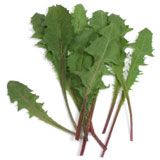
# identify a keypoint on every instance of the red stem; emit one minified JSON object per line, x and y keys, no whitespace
{"x":80,"y":121}
{"x":113,"y":123}
{"x":94,"y":135}
{"x":108,"y":119}
{"x":109,"y":114}
{"x":83,"y":146}
{"x":87,"y":128}
{"x":92,"y":131}
{"x":115,"y":95}
{"x":131,"y":118}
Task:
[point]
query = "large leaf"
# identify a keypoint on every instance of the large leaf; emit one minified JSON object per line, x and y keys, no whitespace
{"x":78,"y":54}
{"x":25,"y":99}
{"x":100,"y":49}
{"x":142,"y":48}
{"x":58,"y":34}
{"x":55,"y":31}
{"x":79,"y":61}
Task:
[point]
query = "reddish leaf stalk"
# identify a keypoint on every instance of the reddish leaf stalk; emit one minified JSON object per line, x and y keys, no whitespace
{"x":92,"y":131}
{"x":80,"y":121}
{"x":114,"y":98}
{"x":130,"y":110}
{"x":111,"y":111}
{"x":96,"y":137}
{"x":87,"y":128}
{"x":113,"y":123}
{"x":109,"y":114}
{"x":131,"y":118}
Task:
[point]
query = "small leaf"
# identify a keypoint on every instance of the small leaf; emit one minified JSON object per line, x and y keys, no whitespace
{"x":79,"y":18}
{"x":142,"y":48}
{"x":99,"y":20}
{"x":25,"y":99}
{"x":120,"y":23}
{"x":38,"y":25}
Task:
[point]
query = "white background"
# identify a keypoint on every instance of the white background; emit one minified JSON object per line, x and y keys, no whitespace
{"x":22,"y":138}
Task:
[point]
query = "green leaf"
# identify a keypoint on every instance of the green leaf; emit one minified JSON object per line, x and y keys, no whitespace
{"x":81,"y":41}
{"x":122,"y":28}
{"x":25,"y":99}
{"x":58,"y":32}
{"x":99,"y":20}
{"x":100,"y":50}
{"x":57,"y":37}
{"x":142,"y":48}
{"x":106,"y":46}
{"x":85,"y":61}
{"x":38,"y":25}
{"x":118,"y":68}
{"x":79,"y":18}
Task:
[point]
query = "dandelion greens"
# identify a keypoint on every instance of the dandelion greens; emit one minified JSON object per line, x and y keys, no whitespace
{"x":82,"y":51}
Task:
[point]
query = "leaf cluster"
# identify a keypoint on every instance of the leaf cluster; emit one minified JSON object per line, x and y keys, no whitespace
{"x":82,"y":51}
